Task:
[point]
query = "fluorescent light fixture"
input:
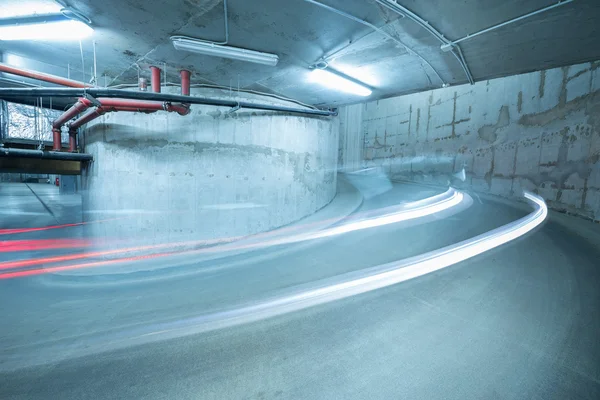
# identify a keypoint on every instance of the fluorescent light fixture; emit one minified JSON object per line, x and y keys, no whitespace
{"x":337,"y":82}
{"x":30,"y":7}
{"x":211,"y":49}
{"x":67,"y":24}
{"x":56,"y":30}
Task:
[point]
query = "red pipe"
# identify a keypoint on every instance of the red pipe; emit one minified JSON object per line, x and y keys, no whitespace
{"x":72,"y":140}
{"x":112,"y":105}
{"x":181,"y":109}
{"x":144,"y":106}
{"x":99,"y":111}
{"x":87,"y":117}
{"x":155,"y":79}
{"x":130,"y":109}
{"x":56,"y":139}
{"x":138,"y":104}
{"x":77,"y":108}
{"x":185,"y":82}
{"x":42,"y":77}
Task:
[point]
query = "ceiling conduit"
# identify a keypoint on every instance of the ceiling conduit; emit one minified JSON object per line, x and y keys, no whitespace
{"x":448,"y":46}
{"x":456,"y":51}
{"x":16,"y":93}
{"x":381,"y":31}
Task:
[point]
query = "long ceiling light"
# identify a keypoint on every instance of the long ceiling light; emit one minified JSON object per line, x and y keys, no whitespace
{"x":337,"y":82}
{"x":212,"y":49}
{"x":68,"y":25}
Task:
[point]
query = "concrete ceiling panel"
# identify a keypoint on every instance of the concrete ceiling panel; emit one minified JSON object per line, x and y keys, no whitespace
{"x":133,"y":34}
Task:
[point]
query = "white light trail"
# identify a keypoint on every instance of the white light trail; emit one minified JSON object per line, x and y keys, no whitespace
{"x":430,"y":206}
{"x":328,"y":290}
{"x":418,"y":209}
{"x":367,"y":280}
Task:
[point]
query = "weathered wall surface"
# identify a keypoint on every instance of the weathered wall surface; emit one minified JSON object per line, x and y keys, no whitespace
{"x":206,"y":175}
{"x":538,"y":131}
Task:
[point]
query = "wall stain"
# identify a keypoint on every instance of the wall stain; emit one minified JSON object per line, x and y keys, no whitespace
{"x":453,"y":124}
{"x":488,"y":175}
{"x":542,"y":84}
{"x":428,"y":116}
{"x":409,"y":119}
{"x":553,"y":151}
{"x":562,"y":97}
{"x":588,"y":102}
{"x":579,"y":73}
{"x":454,"y":116}
{"x":489,"y":132}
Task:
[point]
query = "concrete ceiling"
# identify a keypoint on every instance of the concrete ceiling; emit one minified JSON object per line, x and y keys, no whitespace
{"x":132,"y":33}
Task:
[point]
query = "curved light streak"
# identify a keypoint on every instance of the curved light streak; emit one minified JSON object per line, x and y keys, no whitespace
{"x":417,"y":209}
{"x":367,"y":280}
{"x":41,"y":244}
{"x":330,"y":290}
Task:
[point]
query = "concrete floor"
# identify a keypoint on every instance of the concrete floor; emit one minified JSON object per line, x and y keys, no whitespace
{"x":27,"y":205}
{"x":520,"y":321}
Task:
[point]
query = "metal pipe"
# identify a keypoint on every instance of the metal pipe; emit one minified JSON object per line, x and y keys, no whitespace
{"x":137,"y":104}
{"x":95,"y":79}
{"x":77,"y":108}
{"x":223,"y":43}
{"x":72,"y":140}
{"x":181,"y":109}
{"x":8,"y":93}
{"x":449,"y":45}
{"x":155,"y":81}
{"x":131,"y":106}
{"x":130,"y":109}
{"x":147,"y":110}
{"x":111,"y":104}
{"x":377,"y":29}
{"x":11,"y":152}
{"x":400,"y":9}
{"x":226,"y":23}
{"x":87,"y":117}
{"x":143,"y":106}
{"x":42,"y":77}
{"x":56,"y":145}
{"x":185,"y":82}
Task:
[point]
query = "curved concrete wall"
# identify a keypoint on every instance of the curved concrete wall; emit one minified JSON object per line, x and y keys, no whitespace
{"x":208,"y":174}
{"x":538,"y":131}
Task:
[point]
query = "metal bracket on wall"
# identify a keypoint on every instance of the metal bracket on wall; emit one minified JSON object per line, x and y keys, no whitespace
{"x":92,"y":100}
{"x":234,"y":109}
